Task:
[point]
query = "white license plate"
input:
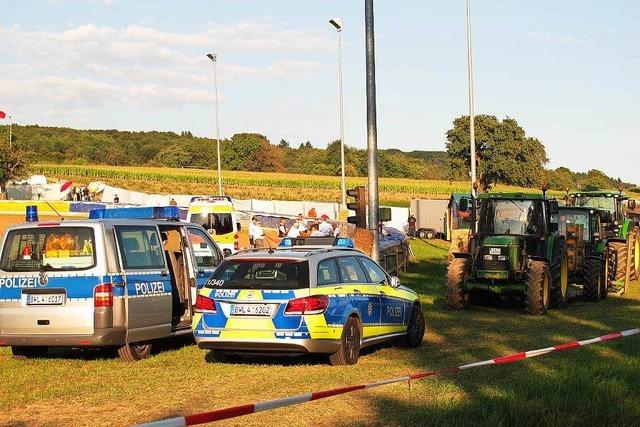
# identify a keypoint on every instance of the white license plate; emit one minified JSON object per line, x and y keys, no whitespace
{"x":494,"y":251}
{"x":45,"y":299}
{"x":252,"y":309}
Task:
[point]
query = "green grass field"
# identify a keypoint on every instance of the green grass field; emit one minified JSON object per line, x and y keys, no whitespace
{"x":595,"y":385}
{"x":278,"y":186}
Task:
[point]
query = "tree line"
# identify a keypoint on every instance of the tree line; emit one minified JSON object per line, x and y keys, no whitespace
{"x":505,"y":154}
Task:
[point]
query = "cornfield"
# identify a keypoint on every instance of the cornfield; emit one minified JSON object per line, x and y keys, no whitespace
{"x":293,"y":185}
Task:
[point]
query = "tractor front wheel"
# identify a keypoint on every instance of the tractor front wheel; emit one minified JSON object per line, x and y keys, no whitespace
{"x":456,"y":297}
{"x":593,"y":287}
{"x":560,"y":282}
{"x":538,"y":288}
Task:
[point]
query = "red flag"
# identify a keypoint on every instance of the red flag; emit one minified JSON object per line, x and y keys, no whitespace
{"x":2,"y":115}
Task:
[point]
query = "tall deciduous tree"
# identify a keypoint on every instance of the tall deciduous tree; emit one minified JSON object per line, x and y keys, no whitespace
{"x":11,"y":166}
{"x":504,"y":153}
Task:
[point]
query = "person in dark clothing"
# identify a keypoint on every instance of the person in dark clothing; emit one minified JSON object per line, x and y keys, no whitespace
{"x":411,"y":225}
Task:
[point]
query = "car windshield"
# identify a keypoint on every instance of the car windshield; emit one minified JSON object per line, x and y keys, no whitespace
{"x":49,"y":249}
{"x":220,"y":223}
{"x":261,"y":274}
{"x":600,"y":202}
{"x":573,"y":224}
{"x":510,"y":217}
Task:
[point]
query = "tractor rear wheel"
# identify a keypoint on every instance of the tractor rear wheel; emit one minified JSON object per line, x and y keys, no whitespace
{"x":560,"y":280}
{"x":592,"y":287}
{"x":536,"y":298}
{"x":618,"y":268}
{"x":456,"y":297}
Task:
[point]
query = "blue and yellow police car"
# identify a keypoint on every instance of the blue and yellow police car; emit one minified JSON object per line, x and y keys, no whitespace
{"x":301,"y":299}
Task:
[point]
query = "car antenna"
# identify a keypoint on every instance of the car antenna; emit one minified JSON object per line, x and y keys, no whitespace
{"x":54,"y":209}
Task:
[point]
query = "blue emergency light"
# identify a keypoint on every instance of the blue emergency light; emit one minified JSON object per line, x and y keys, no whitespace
{"x":156,"y":212}
{"x":344,"y":242}
{"x":32,"y":213}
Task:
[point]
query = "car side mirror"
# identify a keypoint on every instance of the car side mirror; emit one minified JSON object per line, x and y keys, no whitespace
{"x":554,"y":208}
{"x":238,"y":225}
{"x":395,"y":282}
{"x":553,"y":227}
{"x":464,"y":205}
{"x":631,"y":204}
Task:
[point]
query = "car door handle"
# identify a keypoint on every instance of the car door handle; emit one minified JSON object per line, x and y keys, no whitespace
{"x":164,"y":273}
{"x":201,"y":271}
{"x":383,"y":293}
{"x":357,"y":291}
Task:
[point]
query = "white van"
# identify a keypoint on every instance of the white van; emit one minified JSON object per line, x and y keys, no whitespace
{"x":217,"y":215}
{"x":121,"y":279}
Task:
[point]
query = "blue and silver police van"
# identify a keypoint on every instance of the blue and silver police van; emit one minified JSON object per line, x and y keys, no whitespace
{"x":120,"y":279}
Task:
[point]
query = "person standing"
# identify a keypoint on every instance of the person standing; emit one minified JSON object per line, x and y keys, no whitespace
{"x":302,"y":224}
{"x":411,"y":225}
{"x":325,"y":226}
{"x":294,"y":231}
{"x":257,"y":234}
{"x":282,"y":228}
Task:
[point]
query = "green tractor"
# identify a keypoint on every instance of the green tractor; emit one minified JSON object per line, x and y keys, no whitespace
{"x":583,"y":232}
{"x":622,"y":244}
{"x":514,"y":249}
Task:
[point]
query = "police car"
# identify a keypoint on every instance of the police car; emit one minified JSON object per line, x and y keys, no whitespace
{"x":121,"y":279}
{"x":300,"y":299}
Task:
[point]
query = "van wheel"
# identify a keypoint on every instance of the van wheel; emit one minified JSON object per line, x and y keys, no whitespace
{"x":27,"y":352}
{"x":133,"y":352}
{"x":349,"y":349}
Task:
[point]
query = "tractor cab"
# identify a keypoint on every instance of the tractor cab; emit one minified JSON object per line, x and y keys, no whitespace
{"x":613,"y":207}
{"x":514,"y":248}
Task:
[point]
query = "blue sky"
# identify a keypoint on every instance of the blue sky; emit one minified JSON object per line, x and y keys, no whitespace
{"x":567,"y":71}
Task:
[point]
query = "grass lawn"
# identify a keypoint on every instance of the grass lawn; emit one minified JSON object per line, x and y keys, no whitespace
{"x":595,"y":385}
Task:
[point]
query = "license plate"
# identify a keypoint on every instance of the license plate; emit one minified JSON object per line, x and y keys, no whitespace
{"x":45,"y":299}
{"x":252,"y":310}
{"x":494,"y":251}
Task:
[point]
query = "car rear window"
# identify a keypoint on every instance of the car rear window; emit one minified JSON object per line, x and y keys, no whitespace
{"x":261,"y":274}
{"x":49,"y":249}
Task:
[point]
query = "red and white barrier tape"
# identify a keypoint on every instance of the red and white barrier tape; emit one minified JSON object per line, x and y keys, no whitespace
{"x":236,"y":411}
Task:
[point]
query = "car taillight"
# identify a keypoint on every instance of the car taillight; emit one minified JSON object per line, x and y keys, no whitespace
{"x":315,"y":304}
{"x":205,"y":304}
{"x":103,"y":295}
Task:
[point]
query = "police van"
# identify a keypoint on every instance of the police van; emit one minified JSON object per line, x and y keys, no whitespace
{"x":120,"y":279}
{"x":217,"y":215}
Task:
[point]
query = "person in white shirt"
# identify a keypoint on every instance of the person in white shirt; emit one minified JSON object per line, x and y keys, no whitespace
{"x":294,"y":231}
{"x":302,"y":224}
{"x":325,"y":226}
{"x":313,"y":229}
{"x":256,"y":234}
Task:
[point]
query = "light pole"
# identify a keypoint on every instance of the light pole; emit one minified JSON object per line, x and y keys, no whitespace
{"x":472,"y":134}
{"x":372,"y":132}
{"x":337,"y":23}
{"x":214,"y":58}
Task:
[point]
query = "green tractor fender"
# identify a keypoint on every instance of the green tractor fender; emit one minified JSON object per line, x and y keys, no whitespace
{"x":626,"y":227}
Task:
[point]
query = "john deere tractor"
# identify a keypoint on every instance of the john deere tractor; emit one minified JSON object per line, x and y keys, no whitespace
{"x":583,"y":232}
{"x":515,"y":249}
{"x":622,"y":244}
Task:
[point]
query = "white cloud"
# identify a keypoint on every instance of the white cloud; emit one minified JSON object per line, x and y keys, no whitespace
{"x":50,"y":72}
{"x":546,"y":37}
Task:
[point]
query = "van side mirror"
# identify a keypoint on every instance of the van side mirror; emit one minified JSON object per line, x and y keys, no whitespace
{"x":395,"y":282}
{"x":238,"y":226}
{"x":464,"y":205}
{"x":554,"y":209}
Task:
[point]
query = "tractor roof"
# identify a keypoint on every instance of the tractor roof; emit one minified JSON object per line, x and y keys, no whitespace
{"x":599,"y":193}
{"x":581,"y":208}
{"x":512,"y":196}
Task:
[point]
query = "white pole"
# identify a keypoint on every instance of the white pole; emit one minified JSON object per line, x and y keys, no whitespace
{"x":343,"y":183}
{"x":214,"y":58}
{"x":472,"y":136}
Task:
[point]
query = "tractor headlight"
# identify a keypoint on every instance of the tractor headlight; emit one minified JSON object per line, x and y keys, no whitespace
{"x":488,"y":257}
{"x":502,"y":257}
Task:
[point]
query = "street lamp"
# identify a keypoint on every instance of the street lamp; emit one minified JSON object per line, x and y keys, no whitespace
{"x":472,"y":135}
{"x":337,"y":23}
{"x":214,"y":58}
